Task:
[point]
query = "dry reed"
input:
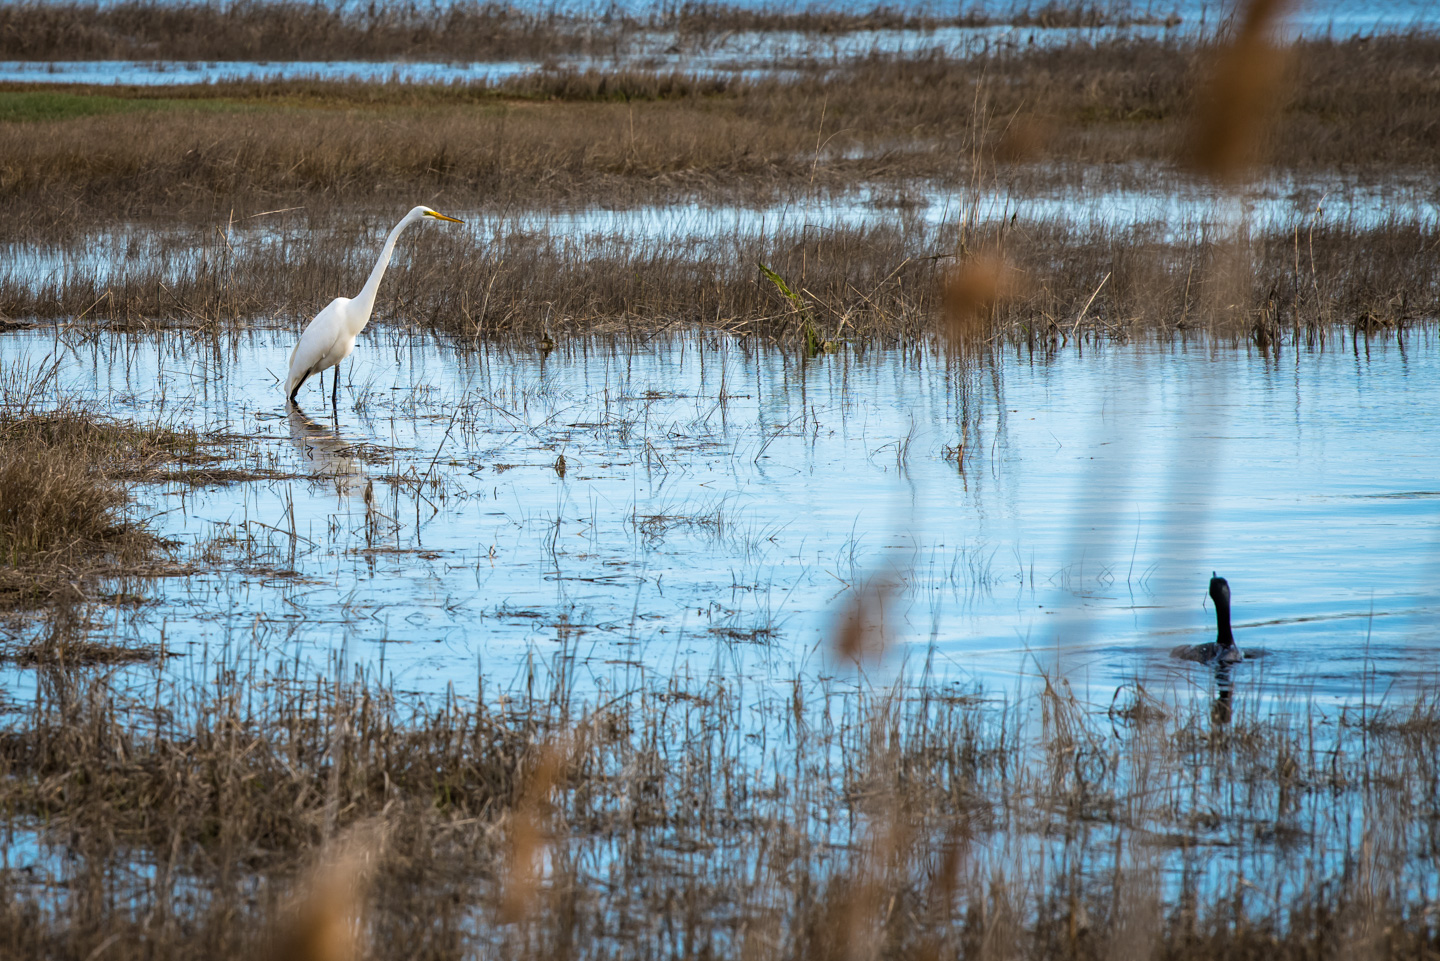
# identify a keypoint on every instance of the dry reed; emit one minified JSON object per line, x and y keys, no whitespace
{"x":971,"y":292}
{"x":861,"y":635}
{"x":528,"y":838}
{"x":326,"y":917}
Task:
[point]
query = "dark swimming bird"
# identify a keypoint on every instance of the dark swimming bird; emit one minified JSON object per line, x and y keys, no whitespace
{"x":1222,"y":650}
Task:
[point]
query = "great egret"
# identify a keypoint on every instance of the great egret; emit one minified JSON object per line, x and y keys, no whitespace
{"x":330,"y":337}
{"x":1223,"y":649}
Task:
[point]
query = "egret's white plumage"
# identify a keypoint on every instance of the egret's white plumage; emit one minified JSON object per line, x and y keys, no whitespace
{"x":330,"y":337}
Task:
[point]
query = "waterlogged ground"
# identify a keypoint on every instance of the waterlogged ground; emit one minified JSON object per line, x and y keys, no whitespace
{"x":738,"y":53}
{"x":719,"y":498}
{"x":753,"y":53}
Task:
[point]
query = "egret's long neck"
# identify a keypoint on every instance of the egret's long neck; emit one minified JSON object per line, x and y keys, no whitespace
{"x":366,"y":299}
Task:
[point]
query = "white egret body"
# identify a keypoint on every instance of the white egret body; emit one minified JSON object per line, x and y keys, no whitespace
{"x":330,"y":337}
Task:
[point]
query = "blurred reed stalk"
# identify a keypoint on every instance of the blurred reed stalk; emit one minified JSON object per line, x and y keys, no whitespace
{"x":1231,"y":136}
{"x":1240,"y":101}
{"x":325,"y":919}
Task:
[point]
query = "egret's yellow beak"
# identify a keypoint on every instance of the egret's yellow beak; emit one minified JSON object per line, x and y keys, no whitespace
{"x":440,"y":216}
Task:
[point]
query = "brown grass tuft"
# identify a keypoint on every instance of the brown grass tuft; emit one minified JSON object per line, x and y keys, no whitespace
{"x":64,"y":506}
{"x":61,"y":518}
{"x":52,"y":503}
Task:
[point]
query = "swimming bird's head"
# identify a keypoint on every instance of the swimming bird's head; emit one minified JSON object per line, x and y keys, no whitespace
{"x":1219,"y":590}
{"x":1220,"y":594}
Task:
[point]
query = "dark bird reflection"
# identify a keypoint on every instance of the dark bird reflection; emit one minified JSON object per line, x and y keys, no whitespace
{"x":1221,"y":709}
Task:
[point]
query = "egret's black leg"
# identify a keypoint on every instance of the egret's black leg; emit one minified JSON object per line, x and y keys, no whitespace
{"x":301,"y":383}
{"x":335,"y":390}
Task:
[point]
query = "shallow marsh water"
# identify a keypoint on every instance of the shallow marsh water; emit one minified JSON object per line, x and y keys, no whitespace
{"x":719,"y":498}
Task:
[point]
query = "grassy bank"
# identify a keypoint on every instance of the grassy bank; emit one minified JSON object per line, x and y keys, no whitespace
{"x":702,"y":817}
{"x":1119,"y":108}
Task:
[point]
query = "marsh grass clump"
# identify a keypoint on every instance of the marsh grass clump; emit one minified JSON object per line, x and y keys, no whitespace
{"x":61,"y":517}
{"x":54,"y":503}
{"x":65,"y":515}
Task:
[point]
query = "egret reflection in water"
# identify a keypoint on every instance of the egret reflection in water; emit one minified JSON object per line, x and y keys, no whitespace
{"x":327,"y":453}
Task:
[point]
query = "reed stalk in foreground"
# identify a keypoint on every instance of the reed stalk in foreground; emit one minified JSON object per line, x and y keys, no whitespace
{"x":1242,"y":97}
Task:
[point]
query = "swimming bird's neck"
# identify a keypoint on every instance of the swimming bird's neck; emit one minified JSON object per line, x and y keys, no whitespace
{"x":366,"y":299}
{"x":1222,"y":622}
